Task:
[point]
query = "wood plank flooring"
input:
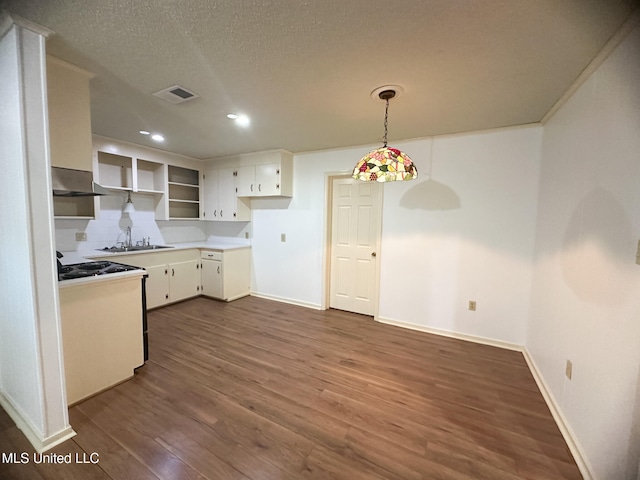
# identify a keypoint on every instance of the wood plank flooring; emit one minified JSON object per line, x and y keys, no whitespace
{"x":259,"y":390}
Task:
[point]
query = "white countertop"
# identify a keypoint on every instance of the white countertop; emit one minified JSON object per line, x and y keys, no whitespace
{"x":80,"y":256}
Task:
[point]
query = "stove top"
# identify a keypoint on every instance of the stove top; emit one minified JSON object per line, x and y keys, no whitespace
{"x":89,"y":269}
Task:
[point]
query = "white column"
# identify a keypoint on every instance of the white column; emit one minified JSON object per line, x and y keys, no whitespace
{"x":32,"y":385}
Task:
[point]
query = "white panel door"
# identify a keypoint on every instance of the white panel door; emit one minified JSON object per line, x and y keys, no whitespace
{"x":355,"y":231}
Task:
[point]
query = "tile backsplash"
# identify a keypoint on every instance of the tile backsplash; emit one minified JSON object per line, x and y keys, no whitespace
{"x":111,"y":225}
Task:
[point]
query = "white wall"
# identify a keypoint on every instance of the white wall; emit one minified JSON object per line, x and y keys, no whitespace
{"x":586,"y":289}
{"x":465,"y":232}
{"x":31,"y":364}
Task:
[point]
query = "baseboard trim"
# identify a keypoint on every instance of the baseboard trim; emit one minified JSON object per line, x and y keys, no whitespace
{"x":556,"y":413}
{"x":446,"y":333}
{"x":39,"y":444}
{"x":314,"y":306}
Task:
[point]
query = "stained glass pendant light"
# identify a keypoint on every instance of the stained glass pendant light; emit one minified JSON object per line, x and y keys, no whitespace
{"x":385,"y":164}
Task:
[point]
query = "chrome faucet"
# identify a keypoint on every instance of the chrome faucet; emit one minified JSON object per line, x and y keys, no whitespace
{"x":127,"y":239}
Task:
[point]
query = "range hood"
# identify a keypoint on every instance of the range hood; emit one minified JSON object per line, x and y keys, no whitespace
{"x":67,"y":182}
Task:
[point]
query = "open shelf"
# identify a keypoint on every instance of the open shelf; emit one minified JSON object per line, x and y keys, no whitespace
{"x":115,"y":171}
{"x":150,"y":177}
{"x":73,"y":207}
{"x":183,"y":192}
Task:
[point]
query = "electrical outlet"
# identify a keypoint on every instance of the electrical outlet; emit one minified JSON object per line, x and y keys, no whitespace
{"x":283,"y":237}
{"x":81,"y":236}
{"x":568,"y":369}
{"x":246,"y":234}
{"x":472,"y":305}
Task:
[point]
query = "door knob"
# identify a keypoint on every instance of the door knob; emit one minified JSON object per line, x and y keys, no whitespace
{"x":373,"y":254}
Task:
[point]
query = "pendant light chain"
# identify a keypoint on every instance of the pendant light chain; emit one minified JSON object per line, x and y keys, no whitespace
{"x":386,"y":121}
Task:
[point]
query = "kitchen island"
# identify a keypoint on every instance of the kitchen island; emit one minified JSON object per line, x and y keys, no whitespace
{"x":102,"y":331}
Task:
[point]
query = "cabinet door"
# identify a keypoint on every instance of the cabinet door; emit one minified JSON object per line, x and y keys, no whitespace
{"x":184,"y":280}
{"x":212,"y":278}
{"x":246,"y":181}
{"x":210,"y":195}
{"x":267,"y":180}
{"x":227,"y":199}
{"x":237,"y":273}
{"x":157,"y":286}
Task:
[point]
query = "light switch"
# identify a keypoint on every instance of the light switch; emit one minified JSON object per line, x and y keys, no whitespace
{"x":81,"y":236}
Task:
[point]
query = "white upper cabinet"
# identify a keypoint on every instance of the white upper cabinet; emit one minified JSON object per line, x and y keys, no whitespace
{"x":220,"y":200}
{"x":69,"y":115}
{"x":265,"y":174}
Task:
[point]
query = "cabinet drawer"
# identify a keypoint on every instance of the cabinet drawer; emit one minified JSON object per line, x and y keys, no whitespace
{"x":209,"y":255}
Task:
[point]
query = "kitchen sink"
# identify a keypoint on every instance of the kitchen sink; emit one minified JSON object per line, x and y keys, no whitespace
{"x":137,"y":248}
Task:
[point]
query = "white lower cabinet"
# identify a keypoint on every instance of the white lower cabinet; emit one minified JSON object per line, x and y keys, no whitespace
{"x":172,"y":276}
{"x":226,"y":275}
{"x":157,"y":285}
{"x":178,"y":275}
{"x":211,"y":272}
{"x":184,"y":280}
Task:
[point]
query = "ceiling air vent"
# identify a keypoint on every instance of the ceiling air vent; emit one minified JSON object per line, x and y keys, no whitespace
{"x":176,"y":94}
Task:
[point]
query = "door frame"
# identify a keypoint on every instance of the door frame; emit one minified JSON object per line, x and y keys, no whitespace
{"x":326,"y":256}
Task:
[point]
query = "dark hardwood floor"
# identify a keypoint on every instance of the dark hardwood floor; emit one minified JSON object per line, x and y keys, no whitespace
{"x":256,"y":389}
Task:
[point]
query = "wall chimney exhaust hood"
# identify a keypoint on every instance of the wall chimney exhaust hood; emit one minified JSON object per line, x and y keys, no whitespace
{"x":67,"y":182}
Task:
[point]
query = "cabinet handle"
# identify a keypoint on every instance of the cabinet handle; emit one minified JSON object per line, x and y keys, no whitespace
{"x":277,"y":186}
{"x":252,"y":187}
{"x":259,"y":187}
{"x":198,"y":288}
{"x":215,"y":213}
{"x":166,"y":296}
{"x":234,"y":214}
{"x":278,"y":172}
{"x":173,"y":272}
{"x":166,"y":272}
{"x":218,"y":268}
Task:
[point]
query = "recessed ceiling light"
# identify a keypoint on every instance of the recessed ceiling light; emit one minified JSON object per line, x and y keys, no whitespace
{"x":240,"y":118}
{"x":157,"y":137}
{"x":144,"y":132}
{"x":243,"y":120}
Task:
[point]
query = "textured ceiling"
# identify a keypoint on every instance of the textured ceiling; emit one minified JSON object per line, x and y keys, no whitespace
{"x":303,"y":70}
